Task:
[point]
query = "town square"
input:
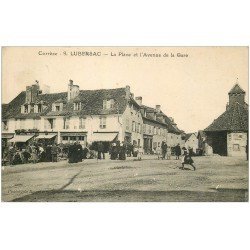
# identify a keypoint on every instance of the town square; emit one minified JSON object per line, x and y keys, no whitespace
{"x":109,"y":144}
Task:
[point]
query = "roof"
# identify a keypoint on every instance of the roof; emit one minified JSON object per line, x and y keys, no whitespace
{"x":165,"y":121}
{"x":92,"y":103}
{"x":21,"y":138}
{"x":236,"y":89}
{"x":233,"y":119}
{"x":49,"y":136}
{"x":188,"y":135}
{"x":104,"y":136}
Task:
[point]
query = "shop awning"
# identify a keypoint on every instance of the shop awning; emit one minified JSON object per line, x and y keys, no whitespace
{"x":21,"y":138}
{"x":104,"y":136}
{"x":7,"y":136}
{"x":49,"y":136}
{"x":73,"y":133}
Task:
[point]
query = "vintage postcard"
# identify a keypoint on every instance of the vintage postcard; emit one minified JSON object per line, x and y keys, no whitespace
{"x":124,"y":124}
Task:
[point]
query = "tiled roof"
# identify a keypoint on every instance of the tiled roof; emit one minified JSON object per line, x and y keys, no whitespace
{"x":233,"y":119}
{"x":92,"y":103}
{"x":236,"y":89}
{"x":150,"y":116}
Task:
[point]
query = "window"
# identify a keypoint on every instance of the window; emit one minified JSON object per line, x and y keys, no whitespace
{"x":102,"y":122}
{"x":149,"y":129}
{"x":66,"y":123}
{"x":65,"y":138}
{"x":77,"y":106}
{"x":108,"y":104}
{"x":81,"y":138}
{"x":133,"y":126}
{"x":155,"y":130}
{"x":111,"y":103}
{"x":50,"y":124}
{"x":57,"y":108}
{"x":236,"y":147}
{"x":82,"y":122}
{"x":26,"y":109}
{"x":39,"y":108}
{"x":139,"y":128}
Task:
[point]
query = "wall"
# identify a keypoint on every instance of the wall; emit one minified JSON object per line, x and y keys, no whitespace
{"x":192,"y":142}
{"x":132,"y":114}
{"x":236,"y":144}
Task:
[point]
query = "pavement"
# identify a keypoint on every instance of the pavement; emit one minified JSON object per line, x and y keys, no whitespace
{"x":149,"y":180}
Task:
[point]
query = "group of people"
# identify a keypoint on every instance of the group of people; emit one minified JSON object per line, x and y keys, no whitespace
{"x":33,"y":153}
{"x":76,"y":153}
{"x":164,"y":151}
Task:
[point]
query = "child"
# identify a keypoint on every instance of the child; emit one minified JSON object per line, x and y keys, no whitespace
{"x":186,"y":159}
{"x":140,"y":152}
{"x":168,"y":153}
{"x":158,"y":152}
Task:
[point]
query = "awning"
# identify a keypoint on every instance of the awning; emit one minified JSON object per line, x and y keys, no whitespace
{"x":104,"y":136}
{"x":21,"y":138}
{"x":7,"y":136}
{"x":49,"y":136}
{"x":73,"y":133}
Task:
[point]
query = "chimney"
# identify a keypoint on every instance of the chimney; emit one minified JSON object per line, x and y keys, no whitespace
{"x":32,"y":92}
{"x":139,"y":100}
{"x":158,"y":108}
{"x":73,"y":90}
{"x":127,"y":89}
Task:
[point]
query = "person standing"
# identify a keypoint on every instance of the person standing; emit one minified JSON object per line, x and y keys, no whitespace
{"x":140,"y":153}
{"x":164,"y":149}
{"x":99,"y":150}
{"x":54,"y":152}
{"x":122,"y":152}
{"x":70,"y":153}
{"x":158,"y":152}
{"x":168,"y":153}
{"x":79,"y":150}
{"x":247,"y":149}
{"x":177,"y":152}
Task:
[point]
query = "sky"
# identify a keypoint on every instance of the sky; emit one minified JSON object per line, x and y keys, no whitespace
{"x":192,"y":88}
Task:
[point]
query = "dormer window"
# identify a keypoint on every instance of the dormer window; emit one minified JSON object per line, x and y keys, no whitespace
{"x":108,"y":104}
{"x":39,"y":108}
{"x":57,"y":107}
{"x":77,"y":105}
{"x":25,"y":109}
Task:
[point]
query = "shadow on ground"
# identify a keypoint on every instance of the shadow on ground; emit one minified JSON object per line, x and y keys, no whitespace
{"x":217,"y":195}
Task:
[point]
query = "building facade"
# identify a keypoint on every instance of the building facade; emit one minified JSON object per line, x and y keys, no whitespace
{"x":228,"y":134}
{"x":87,"y":116}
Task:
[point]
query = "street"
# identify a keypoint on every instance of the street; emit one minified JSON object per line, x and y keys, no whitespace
{"x":216,"y":179}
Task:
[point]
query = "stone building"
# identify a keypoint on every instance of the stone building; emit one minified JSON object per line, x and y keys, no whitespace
{"x":86,"y":116}
{"x":157,"y":127}
{"x":191,"y":142}
{"x":75,"y":115}
{"x":228,"y":134}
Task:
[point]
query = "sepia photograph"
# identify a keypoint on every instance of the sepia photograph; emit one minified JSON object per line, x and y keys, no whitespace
{"x":124,"y":124}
